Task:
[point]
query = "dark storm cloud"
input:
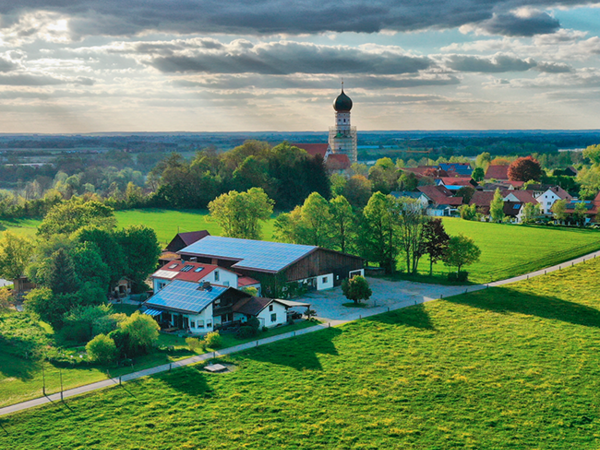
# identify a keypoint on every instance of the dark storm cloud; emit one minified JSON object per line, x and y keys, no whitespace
{"x":536,"y":22}
{"x":115,"y":17}
{"x":279,"y":58}
{"x":495,"y":64}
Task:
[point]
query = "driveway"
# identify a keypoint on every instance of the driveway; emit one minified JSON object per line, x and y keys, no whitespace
{"x":386,"y":294}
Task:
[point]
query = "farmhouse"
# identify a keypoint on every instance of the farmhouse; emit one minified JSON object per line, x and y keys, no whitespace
{"x":550,"y":196}
{"x":201,"y":307}
{"x":276,"y":263}
{"x":181,"y":240}
{"x":199,"y":273}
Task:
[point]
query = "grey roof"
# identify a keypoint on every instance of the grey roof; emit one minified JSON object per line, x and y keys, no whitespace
{"x":184,"y":296}
{"x":409,"y":194}
{"x":262,"y":256}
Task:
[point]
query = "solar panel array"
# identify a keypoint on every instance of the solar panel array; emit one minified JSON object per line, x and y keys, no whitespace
{"x":186,"y":268}
{"x":258,"y":255}
{"x":185,"y":296}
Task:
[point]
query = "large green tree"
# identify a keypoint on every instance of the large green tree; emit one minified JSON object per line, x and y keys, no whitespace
{"x":497,"y":207}
{"x":240,"y":213}
{"x":411,"y":228}
{"x":343,"y":223}
{"x":70,"y":216}
{"x":379,"y":235}
{"x":462,"y":251}
{"x":15,"y":255}
{"x":141,"y":250}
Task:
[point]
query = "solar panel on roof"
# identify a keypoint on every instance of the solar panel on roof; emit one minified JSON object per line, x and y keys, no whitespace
{"x":258,"y":255}
{"x":183,"y":295}
{"x":186,"y":268}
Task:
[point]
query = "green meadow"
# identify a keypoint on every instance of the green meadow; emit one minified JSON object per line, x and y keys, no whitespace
{"x":516,"y":367}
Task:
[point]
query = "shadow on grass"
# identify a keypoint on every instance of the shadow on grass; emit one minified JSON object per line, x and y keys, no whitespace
{"x":14,"y":367}
{"x":300,"y":353}
{"x":506,"y":300}
{"x":188,"y":380}
{"x":413,"y":316}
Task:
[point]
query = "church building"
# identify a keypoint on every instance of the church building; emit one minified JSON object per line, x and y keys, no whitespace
{"x":342,"y":136}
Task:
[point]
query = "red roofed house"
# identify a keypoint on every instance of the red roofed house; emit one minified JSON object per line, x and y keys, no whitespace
{"x":550,"y":196}
{"x":337,"y":162}
{"x":496,"y":172}
{"x":200,"y":273}
{"x":441,"y":202}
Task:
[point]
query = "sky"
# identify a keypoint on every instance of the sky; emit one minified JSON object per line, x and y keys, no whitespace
{"x":85,"y":66}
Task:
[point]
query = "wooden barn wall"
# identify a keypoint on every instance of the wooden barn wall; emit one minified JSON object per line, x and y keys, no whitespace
{"x":322,"y":262}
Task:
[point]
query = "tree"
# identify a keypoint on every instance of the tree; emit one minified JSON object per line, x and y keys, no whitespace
{"x":524,"y":169}
{"x":478,"y":174}
{"x":466,"y":192}
{"x":356,"y":288}
{"x":580,"y":213}
{"x":317,"y":220}
{"x":142,"y":331}
{"x":378,"y":239}
{"x":531,"y":213}
{"x":410,"y":231}
{"x":101,"y":349}
{"x":46,"y":305}
{"x":500,"y":162}
{"x":384,"y":175}
{"x":70,"y":216}
{"x":61,"y":277}
{"x":468,"y":212}
{"x":497,"y":207}
{"x":109,"y":250}
{"x":461,"y":251}
{"x":559,"y":210}
{"x":141,"y":250}
{"x":435,"y":241}
{"x":483,"y":161}
{"x":15,"y":254}
{"x":239,"y":213}
{"x":6,"y":300}
{"x":342,"y":222}
{"x":357,"y":191}
{"x":592,"y":153}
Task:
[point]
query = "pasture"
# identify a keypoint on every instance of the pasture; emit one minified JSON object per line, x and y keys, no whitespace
{"x":514,"y":367}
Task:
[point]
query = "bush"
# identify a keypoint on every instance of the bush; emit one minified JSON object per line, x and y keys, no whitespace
{"x":142,"y":330}
{"x":122,"y":342}
{"x":460,"y":276}
{"x":193,"y":343}
{"x":101,"y":349}
{"x":213,"y":340}
{"x":246,"y":332}
{"x":254,"y":323}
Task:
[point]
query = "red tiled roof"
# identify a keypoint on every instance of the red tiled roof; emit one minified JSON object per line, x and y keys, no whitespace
{"x":497,"y":172}
{"x":440,"y":195}
{"x":522,"y":196}
{"x":564,"y":195}
{"x":246,"y":281}
{"x":482,"y":198}
{"x":191,"y":275}
{"x":313,"y":149}
{"x":338,"y":161}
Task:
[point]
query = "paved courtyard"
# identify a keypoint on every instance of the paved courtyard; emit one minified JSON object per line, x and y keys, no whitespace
{"x":393,"y":294}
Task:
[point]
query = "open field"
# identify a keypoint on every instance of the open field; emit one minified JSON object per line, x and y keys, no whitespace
{"x":514,"y":367}
{"x":22,"y":379}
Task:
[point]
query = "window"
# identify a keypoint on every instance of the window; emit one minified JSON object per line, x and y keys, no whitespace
{"x":186,"y":268}
{"x":226,"y":283}
{"x":324,"y":279}
{"x":192,"y":324}
{"x":201,"y":324}
{"x":548,"y":203}
{"x":199,"y":269}
{"x":172,"y":266}
{"x":216,"y":275}
{"x":270,"y":307}
{"x":208,"y":324}
{"x":273,"y":317}
{"x":217,"y":302}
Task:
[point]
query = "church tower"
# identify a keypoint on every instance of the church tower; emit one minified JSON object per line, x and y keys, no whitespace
{"x":342,"y":137}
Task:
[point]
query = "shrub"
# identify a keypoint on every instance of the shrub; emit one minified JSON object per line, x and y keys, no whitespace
{"x":460,"y":276}
{"x":101,"y":349}
{"x":246,"y":332}
{"x":122,"y":342}
{"x":213,"y":340}
{"x":142,"y":330}
{"x":254,"y":323}
{"x":356,"y":288}
{"x":193,"y":343}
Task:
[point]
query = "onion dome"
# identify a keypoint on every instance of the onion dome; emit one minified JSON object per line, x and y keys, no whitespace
{"x":342,"y":103}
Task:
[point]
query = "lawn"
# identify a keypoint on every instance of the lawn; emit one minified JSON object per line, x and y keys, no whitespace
{"x":22,"y":379}
{"x":513,"y":368}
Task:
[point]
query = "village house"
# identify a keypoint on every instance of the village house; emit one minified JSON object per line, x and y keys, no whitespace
{"x":550,"y":196}
{"x":440,"y":201}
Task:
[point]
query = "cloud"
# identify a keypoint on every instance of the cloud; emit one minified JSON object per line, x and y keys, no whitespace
{"x":553,"y":67}
{"x":286,"y":57}
{"x":239,"y":17}
{"x":495,"y":64}
{"x":6,"y":65}
{"x":29,"y":80}
{"x":521,"y":23}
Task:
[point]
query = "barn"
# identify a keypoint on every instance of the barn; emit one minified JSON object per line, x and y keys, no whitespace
{"x":276,"y":263}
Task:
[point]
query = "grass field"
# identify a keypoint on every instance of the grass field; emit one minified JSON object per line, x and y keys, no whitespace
{"x":22,"y":379}
{"x":512,"y":368}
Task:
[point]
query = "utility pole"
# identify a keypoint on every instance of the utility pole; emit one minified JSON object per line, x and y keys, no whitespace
{"x":61,"y":385}
{"x":43,"y":377}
